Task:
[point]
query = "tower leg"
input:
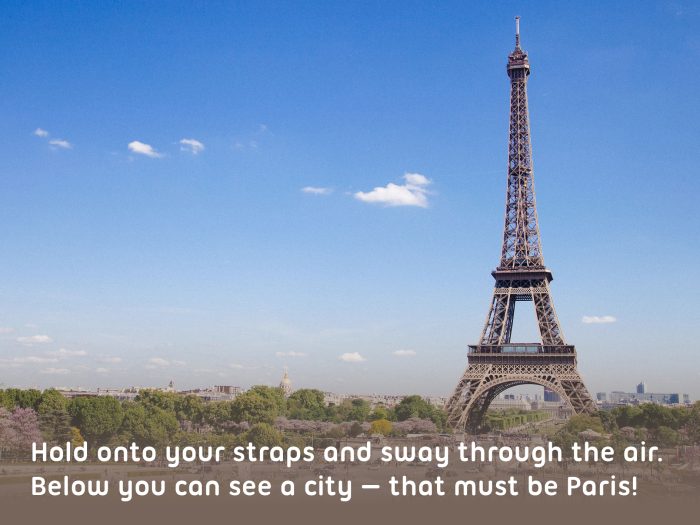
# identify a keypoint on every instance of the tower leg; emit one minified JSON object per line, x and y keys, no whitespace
{"x":481,"y":383}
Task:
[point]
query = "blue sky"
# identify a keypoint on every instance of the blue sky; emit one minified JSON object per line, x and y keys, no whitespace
{"x":129,"y":258}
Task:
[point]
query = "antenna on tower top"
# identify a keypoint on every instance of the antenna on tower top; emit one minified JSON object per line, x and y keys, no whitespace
{"x":517,"y":32}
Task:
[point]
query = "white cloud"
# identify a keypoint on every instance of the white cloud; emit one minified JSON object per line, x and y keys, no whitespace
{"x":63,"y":352}
{"x":315,"y":190}
{"x":245,"y":145}
{"x":291,"y":354}
{"x":35,"y":359}
{"x":404,"y":353}
{"x":238,"y":366}
{"x":352,"y":357}
{"x":34,"y":339}
{"x":144,"y":149}
{"x":6,"y":330}
{"x":191,"y":146}
{"x":598,"y":319}
{"x":41,"y":132}
{"x":60,"y":143}
{"x":158,"y":361}
{"x":55,"y":371}
{"x":111,"y":360}
{"x":102,"y":370}
{"x":179,"y":363}
{"x":412,"y":193}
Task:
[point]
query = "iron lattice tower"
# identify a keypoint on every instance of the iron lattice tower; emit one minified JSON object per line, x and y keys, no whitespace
{"x":496,"y":364}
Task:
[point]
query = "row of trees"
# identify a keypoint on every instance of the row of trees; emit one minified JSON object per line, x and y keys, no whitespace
{"x":158,"y":418}
{"x":512,"y":417}
{"x":623,"y":426}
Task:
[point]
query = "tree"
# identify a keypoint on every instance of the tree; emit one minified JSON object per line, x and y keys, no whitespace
{"x":415,"y":426}
{"x":608,"y":420}
{"x":51,"y":399}
{"x":307,"y":404}
{"x":147,"y":425}
{"x":692,"y":425}
{"x":655,"y":416}
{"x":355,"y":429}
{"x":274,"y":394}
{"x":158,"y":398}
{"x":380,"y":426}
{"x":255,"y":407}
{"x":628,"y":416}
{"x":359,"y":411}
{"x":55,"y":425}
{"x":19,"y":398}
{"x":98,"y":418}
{"x":665,"y":437}
{"x":417,"y":407}
{"x":189,"y":408}
{"x":379,"y":412}
{"x":413,"y":406}
{"x":54,"y":419}
{"x":263,"y":434}
{"x":19,"y":429}
{"x":580,"y":422}
{"x":217,"y":413}
{"x":76,"y":438}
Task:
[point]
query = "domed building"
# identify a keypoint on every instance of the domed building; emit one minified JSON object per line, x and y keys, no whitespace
{"x":286,"y":383}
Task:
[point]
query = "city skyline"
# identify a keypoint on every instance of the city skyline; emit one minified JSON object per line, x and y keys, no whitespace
{"x":252,"y":187}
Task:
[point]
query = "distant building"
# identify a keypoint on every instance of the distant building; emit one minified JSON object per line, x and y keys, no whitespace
{"x":228,"y":389}
{"x":602,"y":397}
{"x":551,"y":396}
{"x":635,"y":398}
{"x":509,"y":401}
{"x":286,"y":384}
{"x":641,"y":388}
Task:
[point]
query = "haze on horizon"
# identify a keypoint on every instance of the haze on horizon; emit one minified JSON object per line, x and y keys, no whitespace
{"x":210,"y":193}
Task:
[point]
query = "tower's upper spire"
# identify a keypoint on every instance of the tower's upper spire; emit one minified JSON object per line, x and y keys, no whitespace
{"x":517,"y":60}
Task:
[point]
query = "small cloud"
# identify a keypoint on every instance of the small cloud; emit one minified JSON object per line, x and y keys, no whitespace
{"x":238,"y":366}
{"x":191,"y":146}
{"x":315,"y":190}
{"x":62,"y":352}
{"x":34,"y":339}
{"x":290,"y":354}
{"x":111,"y":360}
{"x":262,"y":128}
{"x":55,"y":371}
{"x":598,"y":319}
{"x":41,"y":133}
{"x":158,"y":362}
{"x":60,"y":143}
{"x":101,"y":370}
{"x":143,"y":149}
{"x":412,"y":193}
{"x":6,"y":330}
{"x":404,"y":353}
{"x":35,"y":359}
{"x":179,"y":363}
{"x":352,"y":357}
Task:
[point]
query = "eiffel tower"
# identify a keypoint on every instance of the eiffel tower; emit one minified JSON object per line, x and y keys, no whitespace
{"x":496,"y":364}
